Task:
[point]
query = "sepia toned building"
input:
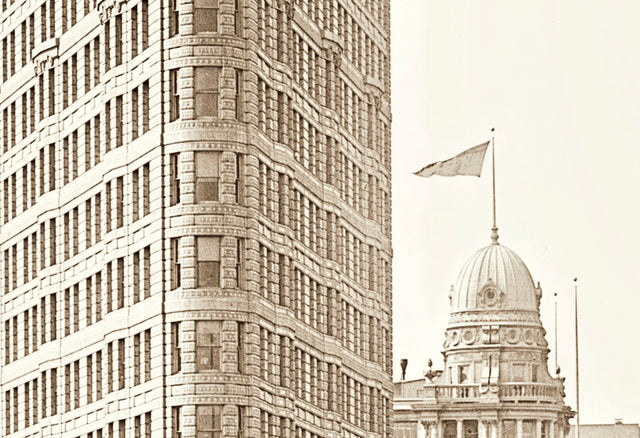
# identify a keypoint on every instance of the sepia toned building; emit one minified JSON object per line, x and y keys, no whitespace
{"x":195,"y":222}
{"x":495,"y":382}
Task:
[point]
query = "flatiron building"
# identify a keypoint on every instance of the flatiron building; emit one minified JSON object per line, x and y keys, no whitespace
{"x":195,"y":233}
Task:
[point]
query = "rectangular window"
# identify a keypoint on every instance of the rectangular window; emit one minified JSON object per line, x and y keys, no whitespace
{"x":209,"y":421}
{"x":174,"y":95}
{"x":174,"y":172}
{"x":147,"y":355}
{"x":145,"y":106}
{"x":174,"y":19}
{"x":121,"y":364}
{"x":98,"y":303}
{"x":74,"y":75}
{"x":119,"y":211}
{"x":134,"y":113}
{"x":107,"y":46}
{"x":136,"y":359}
{"x":528,"y":429}
{"x":120,"y":282}
{"x":134,"y":31}
{"x":118,"y":42}
{"x":146,"y":194}
{"x":89,"y":378}
{"x":208,"y":345}
{"x":175,"y":263}
{"x":509,"y":428}
{"x":107,"y":126}
{"x":144,"y":24}
{"x":53,"y":317}
{"x":208,"y":251}
{"x":52,"y":92}
{"x":176,"y":431}
{"x":146,"y":272}
{"x":176,"y":364}
{"x":119,"y":127}
{"x":207,"y":91}
{"x":205,"y":16}
{"x":207,"y":176}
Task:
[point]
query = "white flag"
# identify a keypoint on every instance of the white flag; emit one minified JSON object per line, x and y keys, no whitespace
{"x":468,"y":162}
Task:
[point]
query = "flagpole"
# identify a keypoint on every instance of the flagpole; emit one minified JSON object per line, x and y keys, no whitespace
{"x":555,"y":330}
{"x":575,"y":285}
{"x":494,"y":230}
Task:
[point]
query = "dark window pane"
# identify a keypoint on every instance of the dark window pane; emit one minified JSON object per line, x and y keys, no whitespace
{"x":209,"y":274}
{"x":206,"y":104}
{"x":205,"y":20}
{"x":207,"y":189}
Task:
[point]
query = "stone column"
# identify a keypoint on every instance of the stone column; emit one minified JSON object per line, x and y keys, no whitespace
{"x":538,"y":429}
{"x":518,"y":428}
{"x":552,"y":429}
{"x":494,"y":430}
{"x":459,"y":429}
{"x":483,"y":429}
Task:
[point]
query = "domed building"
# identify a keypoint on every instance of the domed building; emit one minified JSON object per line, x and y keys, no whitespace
{"x":495,"y":382}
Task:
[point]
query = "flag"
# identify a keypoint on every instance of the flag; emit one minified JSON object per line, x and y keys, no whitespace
{"x":468,"y":162}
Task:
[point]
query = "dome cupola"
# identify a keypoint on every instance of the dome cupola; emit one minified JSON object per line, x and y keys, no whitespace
{"x":494,"y":278}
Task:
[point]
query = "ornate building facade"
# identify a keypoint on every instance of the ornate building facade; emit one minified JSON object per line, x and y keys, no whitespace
{"x":495,"y":382}
{"x":195,"y":232}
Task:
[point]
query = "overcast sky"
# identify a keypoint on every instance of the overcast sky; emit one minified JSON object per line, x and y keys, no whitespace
{"x":560,"y":82}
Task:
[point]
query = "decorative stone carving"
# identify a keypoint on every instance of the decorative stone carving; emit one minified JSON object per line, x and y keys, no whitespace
{"x":512,"y":335}
{"x":469,"y":336}
{"x":109,"y":8}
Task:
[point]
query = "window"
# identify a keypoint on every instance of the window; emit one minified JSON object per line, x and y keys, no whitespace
{"x":118,"y":25}
{"x":205,"y":16}
{"x":175,"y":422}
{"x":175,"y":180}
{"x":463,"y":374}
{"x":134,"y":31}
{"x":176,"y":363}
{"x":207,"y":176}
{"x":528,"y":429}
{"x":208,"y":421}
{"x":175,"y":263}
{"x":208,"y":261}
{"x":207,"y":91}
{"x":174,"y":17}
{"x":208,"y":345}
{"x":449,"y":429}
{"x":470,"y":428}
{"x":518,"y":372}
{"x":509,"y":428}
{"x":147,"y":355}
{"x":174,"y":95}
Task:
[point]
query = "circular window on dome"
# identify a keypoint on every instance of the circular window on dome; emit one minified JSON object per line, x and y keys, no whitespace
{"x":490,"y":296}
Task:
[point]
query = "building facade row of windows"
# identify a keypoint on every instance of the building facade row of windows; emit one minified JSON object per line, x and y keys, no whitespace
{"x":81,"y":227}
{"x":56,"y":17}
{"x":313,"y":303}
{"x":80,"y":305}
{"x":83,"y":148}
{"x":80,"y":382}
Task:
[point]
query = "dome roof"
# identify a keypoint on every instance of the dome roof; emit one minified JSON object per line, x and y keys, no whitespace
{"x":494,"y":278}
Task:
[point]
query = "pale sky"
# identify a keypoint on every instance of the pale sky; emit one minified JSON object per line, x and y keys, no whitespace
{"x":560,"y":82}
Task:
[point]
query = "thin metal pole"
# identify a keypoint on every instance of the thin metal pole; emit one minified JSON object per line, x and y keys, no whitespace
{"x":493,"y":168}
{"x":575,"y":284}
{"x":555,"y":329}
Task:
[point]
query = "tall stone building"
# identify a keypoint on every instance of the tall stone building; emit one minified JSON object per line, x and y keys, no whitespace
{"x":495,"y":382}
{"x":195,"y":230}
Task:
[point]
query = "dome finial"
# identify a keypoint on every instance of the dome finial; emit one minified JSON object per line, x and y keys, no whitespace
{"x":494,"y":235}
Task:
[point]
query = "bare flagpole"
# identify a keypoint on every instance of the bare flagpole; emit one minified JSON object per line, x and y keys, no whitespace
{"x":555,"y":329}
{"x":494,"y":229}
{"x":575,"y":285}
